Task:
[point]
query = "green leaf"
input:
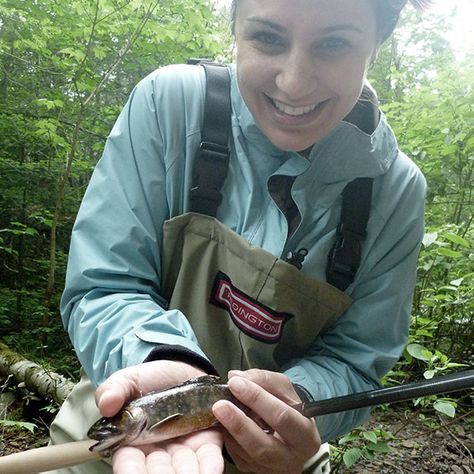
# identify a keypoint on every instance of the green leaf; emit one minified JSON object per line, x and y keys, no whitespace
{"x":19,"y":424}
{"x":449,"y":253}
{"x":348,"y":438}
{"x":73,"y":53}
{"x":446,"y":408}
{"x":368,"y":454}
{"x":379,"y":447}
{"x":352,"y":456}
{"x":457,"y":239}
{"x":370,"y":436}
{"x":419,"y":352}
{"x":429,"y":374}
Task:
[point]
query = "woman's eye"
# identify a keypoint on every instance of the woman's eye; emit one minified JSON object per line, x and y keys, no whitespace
{"x":268,"y":39}
{"x":332,"y":45}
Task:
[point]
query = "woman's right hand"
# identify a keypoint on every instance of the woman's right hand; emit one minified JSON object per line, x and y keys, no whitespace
{"x":292,"y":438}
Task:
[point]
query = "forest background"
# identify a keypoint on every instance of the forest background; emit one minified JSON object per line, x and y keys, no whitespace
{"x":66,"y":70}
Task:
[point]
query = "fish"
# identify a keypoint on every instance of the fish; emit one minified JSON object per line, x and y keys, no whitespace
{"x":161,"y":415}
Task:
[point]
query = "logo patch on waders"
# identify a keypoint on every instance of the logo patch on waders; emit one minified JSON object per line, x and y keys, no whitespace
{"x":253,"y":318}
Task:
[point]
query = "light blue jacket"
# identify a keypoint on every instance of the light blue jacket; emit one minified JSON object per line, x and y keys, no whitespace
{"x":112,"y":306}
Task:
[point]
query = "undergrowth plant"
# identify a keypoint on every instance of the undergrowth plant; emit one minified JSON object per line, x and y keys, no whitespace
{"x":360,"y":444}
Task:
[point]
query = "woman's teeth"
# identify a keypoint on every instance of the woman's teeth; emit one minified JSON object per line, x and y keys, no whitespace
{"x":293,"y":110}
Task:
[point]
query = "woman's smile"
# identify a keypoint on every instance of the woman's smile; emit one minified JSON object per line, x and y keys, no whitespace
{"x":294,"y":110}
{"x":295,"y":115}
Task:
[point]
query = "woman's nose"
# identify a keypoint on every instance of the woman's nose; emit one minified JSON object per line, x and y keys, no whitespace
{"x":296,"y":78}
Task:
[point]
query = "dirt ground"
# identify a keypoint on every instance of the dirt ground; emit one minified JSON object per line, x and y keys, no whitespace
{"x":418,"y":448}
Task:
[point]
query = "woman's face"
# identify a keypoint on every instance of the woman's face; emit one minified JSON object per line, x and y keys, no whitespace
{"x":301,"y":64}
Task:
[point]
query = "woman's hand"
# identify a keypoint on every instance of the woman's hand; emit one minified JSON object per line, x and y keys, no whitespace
{"x":269,"y":395}
{"x":196,"y":453}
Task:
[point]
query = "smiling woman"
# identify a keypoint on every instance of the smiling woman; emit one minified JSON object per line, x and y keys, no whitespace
{"x":297,"y":288}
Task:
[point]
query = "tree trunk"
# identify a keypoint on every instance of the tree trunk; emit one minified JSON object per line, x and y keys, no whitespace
{"x":45,"y":383}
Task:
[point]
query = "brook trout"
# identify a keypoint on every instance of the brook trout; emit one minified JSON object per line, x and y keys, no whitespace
{"x":161,"y":415}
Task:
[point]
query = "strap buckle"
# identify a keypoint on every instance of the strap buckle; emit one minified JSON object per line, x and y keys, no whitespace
{"x":209,"y":172}
{"x":211,"y":150}
{"x":344,"y":259}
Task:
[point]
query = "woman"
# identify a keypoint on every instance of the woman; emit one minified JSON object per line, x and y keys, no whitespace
{"x":302,"y":129}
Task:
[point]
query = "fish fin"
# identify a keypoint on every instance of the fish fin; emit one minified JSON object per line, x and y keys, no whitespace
{"x":165,"y":420}
{"x":203,"y":379}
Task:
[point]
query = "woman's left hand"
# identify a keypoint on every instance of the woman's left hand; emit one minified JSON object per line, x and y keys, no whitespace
{"x":270,"y":396}
{"x":197,"y":453}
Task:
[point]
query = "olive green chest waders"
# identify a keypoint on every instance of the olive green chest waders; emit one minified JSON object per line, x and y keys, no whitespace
{"x":247,"y":308}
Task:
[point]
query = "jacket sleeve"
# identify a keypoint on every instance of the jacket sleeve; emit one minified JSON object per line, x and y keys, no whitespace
{"x":368,"y":339}
{"x":111,"y":300}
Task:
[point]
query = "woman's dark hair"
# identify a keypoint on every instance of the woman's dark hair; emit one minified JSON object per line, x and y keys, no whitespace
{"x":387,"y":13}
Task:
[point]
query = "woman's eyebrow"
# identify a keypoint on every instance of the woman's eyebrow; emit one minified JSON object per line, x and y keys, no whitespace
{"x":341,"y":27}
{"x":325,"y":30}
{"x":265,"y":22}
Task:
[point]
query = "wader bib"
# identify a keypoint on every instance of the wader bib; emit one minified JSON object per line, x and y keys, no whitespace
{"x":247,"y":308}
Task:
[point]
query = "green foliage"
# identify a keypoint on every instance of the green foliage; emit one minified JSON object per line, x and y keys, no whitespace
{"x":360,"y":444}
{"x":443,"y":313}
{"x":19,"y":424}
{"x":66,"y":70}
{"x":428,"y":97}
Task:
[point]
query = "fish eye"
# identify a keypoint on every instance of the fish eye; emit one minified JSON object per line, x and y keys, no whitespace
{"x":103,"y":428}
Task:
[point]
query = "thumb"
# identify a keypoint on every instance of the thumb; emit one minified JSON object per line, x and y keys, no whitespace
{"x":118,"y":389}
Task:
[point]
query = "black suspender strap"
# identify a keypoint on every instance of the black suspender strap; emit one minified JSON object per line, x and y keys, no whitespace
{"x":344,"y":257}
{"x":212,"y":159}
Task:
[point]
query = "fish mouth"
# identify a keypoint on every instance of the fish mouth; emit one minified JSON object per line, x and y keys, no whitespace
{"x":107,"y":446}
{"x":110,"y":437}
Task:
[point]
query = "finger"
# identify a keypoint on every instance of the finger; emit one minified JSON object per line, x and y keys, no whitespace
{"x":274,"y":382}
{"x":294,"y":428}
{"x":253,"y":441}
{"x":184,"y":460}
{"x":238,"y":455}
{"x":116,"y":390}
{"x":127,"y":460}
{"x":159,"y":462}
{"x":210,"y":459}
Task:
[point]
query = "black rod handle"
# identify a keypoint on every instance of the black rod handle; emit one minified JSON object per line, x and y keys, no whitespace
{"x":438,"y":385}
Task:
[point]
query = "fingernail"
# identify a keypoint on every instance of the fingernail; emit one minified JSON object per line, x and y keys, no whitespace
{"x":221,"y":410}
{"x":101,"y":397}
{"x":107,"y":403}
{"x":233,"y":373}
{"x":238,"y":384}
